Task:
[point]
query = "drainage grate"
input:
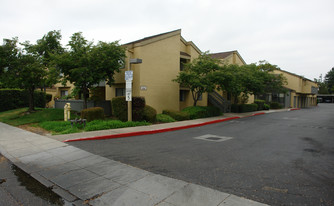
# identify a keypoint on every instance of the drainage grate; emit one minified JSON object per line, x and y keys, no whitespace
{"x":214,"y":138}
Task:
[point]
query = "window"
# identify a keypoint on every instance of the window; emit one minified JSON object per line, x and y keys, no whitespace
{"x":182,"y":62}
{"x":182,"y":95}
{"x":200,"y":97}
{"x":63,"y":93}
{"x":120,"y":92}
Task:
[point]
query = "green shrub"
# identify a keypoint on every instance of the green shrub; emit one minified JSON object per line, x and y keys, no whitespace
{"x":235,"y":108}
{"x":266,"y":107}
{"x":92,"y":113}
{"x":247,"y":108}
{"x":18,"y":98}
{"x":138,"y":105}
{"x":178,"y":116}
{"x":120,"y":108}
{"x":241,"y":108}
{"x":260,"y":104}
{"x":149,"y":114}
{"x":275,"y":105}
{"x":164,"y":118}
{"x":111,"y":124}
{"x":196,"y":112}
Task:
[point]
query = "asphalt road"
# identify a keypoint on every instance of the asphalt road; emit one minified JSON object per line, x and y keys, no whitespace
{"x":284,"y":158}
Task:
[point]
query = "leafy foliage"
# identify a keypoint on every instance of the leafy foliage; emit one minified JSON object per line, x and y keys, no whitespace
{"x":30,"y":67}
{"x":93,"y":113}
{"x":329,"y":80}
{"x":18,"y":98}
{"x":196,"y":112}
{"x":249,"y":79}
{"x":164,"y":118}
{"x":86,"y":65}
{"x":178,"y":116}
{"x":149,"y":114}
{"x":198,"y":76}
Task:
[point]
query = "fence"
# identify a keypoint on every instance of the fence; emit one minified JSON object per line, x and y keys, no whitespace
{"x":77,"y":105}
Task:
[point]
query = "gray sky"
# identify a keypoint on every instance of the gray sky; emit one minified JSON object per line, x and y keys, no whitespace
{"x":296,"y":35}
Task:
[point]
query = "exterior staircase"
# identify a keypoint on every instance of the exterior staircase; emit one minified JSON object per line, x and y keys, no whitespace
{"x":218,"y":101}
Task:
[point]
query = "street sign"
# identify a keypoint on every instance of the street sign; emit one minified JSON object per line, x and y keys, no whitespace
{"x":128,"y":96}
{"x":128,"y":85}
{"x":129,"y":75}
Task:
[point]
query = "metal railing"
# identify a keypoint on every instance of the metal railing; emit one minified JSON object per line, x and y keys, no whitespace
{"x":218,"y":101}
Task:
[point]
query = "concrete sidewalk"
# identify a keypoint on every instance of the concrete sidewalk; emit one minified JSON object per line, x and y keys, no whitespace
{"x":156,"y":126}
{"x":83,"y":178}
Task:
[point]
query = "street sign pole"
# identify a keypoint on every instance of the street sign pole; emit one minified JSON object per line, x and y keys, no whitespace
{"x":128,"y":90}
{"x":128,"y":87}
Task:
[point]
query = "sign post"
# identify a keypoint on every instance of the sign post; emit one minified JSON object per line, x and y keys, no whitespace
{"x":128,"y":85}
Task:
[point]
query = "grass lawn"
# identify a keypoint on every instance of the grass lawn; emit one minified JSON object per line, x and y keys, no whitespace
{"x":52,"y":120}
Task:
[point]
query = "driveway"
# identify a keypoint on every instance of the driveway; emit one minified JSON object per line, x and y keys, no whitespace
{"x":282,"y":158}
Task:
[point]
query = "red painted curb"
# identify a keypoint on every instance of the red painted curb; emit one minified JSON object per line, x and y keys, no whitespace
{"x":129,"y":134}
{"x":260,"y":113}
{"x":294,"y":109}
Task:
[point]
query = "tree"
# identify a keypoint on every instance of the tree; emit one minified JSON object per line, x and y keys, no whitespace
{"x":9,"y":53}
{"x":86,"y":65}
{"x":228,"y":78}
{"x":29,"y":68}
{"x":21,"y":69}
{"x":249,"y":79}
{"x":46,"y":47}
{"x":329,"y":80}
{"x":198,"y":75}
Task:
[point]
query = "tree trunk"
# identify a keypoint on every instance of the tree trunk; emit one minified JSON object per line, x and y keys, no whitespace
{"x":84,"y":92}
{"x":195,"y":97}
{"x":31,"y":100}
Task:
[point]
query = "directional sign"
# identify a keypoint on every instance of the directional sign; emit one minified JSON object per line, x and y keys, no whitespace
{"x":128,"y":96}
{"x":129,"y":75}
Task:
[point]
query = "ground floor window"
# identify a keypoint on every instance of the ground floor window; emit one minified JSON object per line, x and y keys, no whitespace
{"x":63,"y":93}
{"x":120,"y":92}
{"x":182,"y":95}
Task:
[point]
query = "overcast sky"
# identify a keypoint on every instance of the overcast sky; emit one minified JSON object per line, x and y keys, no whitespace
{"x":296,"y":35}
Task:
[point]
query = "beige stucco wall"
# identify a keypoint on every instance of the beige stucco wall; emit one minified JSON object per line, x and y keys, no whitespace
{"x":301,"y":89}
{"x":161,"y":64}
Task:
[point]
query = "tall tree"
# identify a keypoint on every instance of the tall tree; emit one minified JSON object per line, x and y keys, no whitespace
{"x":29,"y":67}
{"x":86,"y":65}
{"x":329,"y":80}
{"x":21,"y":69}
{"x":9,"y":53}
{"x":249,"y":79}
{"x":46,"y":47}
{"x":198,"y":76}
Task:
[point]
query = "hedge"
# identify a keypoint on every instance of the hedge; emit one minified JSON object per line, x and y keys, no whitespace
{"x":260,"y":104}
{"x":120,"y":108}
{"x":275,"y":105}
{"x":196,"y":112}
{"x":149,"y":114}
{"x":178,"y":116}
{"x":164,"y":118}
{"x":93,"y":113}
{"x":241,"y":108}
{"x":266,"y":107}
{"x":19,"y":98}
